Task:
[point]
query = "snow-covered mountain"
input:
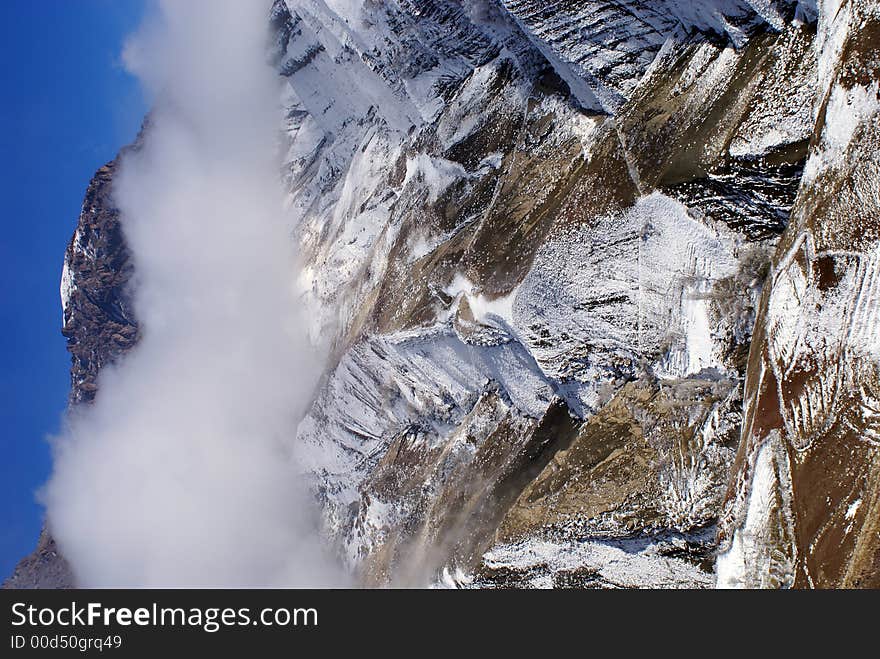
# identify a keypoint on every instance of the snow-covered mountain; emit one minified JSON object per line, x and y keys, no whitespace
{"x":598,"y":281}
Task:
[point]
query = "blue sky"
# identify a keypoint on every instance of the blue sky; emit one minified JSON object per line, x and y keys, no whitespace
{"x":67,"y":107}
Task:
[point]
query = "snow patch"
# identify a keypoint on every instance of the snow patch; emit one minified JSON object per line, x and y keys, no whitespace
{"x":433,"y":173}
{"x":631,"y":284}
{"x":68,"y":285}
{"x":853,"y":509}
{"x":746,"y":555}
{"x":483,"y":308}
{"x":637,"y":563}
{"x":847,"y":110}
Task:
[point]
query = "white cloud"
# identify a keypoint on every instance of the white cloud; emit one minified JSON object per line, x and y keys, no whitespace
{"x":181,"y":472}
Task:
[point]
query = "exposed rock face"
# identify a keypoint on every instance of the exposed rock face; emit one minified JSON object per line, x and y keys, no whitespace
{"x":642,"y":478}
{"x":536,"y":238}
{"x":45,"y":567}
{"x":804,"y":508}
{"x":98,"y":323}
{"x":654,"y":457}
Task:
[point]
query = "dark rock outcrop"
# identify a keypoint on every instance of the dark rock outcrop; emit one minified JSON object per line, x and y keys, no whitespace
{"x":99,"y":322}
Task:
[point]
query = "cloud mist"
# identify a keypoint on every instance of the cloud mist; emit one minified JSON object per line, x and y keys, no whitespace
{"x":181,"y":472}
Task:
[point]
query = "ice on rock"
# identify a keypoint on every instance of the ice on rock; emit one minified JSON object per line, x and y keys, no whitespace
{"x":631,"y":285}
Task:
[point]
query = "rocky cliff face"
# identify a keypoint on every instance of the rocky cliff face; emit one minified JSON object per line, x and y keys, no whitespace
{"x":537,"y":240}
{"x":803,"y":507}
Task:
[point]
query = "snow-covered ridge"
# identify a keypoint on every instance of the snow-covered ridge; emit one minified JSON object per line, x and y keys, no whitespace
{"x":602,"y":48}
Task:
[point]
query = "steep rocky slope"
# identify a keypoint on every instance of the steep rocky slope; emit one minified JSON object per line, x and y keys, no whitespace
{"x":542,"y":300}
{"x":535,"y":240}
{"x":803,"y":508}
